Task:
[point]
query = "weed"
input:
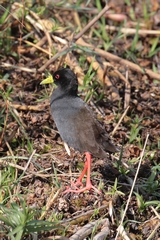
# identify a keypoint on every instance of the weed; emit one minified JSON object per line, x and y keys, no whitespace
{"x":56,"y":181}
{"x":102,"y":31}
{"x":135,"y":39}
{"x":142,"y":205}
{"x":19,"y":221}
{"x":132,"y":10}
{"x":152,"y":184}
{"x":154,"y":49}
{"x":118,"y":164}
{"x":114,"y":190}
{"x":91,"y":86}
{"x":135,"y":129}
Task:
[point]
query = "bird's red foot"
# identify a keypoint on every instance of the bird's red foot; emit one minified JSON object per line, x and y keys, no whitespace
{"x":80,"y":190}
{"x":74,"y":186}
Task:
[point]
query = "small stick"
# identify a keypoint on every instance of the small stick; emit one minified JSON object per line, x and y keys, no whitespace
{"x":131,"y":31}
{"x":127,"y":95}
{"x":87,"y":229}
{"x":120,"y":120}
{"x":5,"y":65}
{"x":119,"y":60}
{"x":29,"y":160}
{"x":53,"y":196}
{"x":88,"y":26}
{"x":135,"y":178}
{"x":39,"y":44}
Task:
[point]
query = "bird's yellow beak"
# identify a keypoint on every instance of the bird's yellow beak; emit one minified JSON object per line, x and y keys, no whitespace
{"x":47,"y":80}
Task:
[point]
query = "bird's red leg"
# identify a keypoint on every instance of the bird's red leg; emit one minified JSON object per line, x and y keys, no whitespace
{"x":89,"y":185}
{"x":79,"y":180}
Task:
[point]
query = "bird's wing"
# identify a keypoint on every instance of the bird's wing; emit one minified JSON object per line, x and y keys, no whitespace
{"x":92,"y":136}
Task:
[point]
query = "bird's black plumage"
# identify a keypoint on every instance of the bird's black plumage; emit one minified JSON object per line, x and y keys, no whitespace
{"x":74,"y":119}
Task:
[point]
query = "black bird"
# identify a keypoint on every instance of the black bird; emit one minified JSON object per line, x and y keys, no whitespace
{"x":77,"y":125}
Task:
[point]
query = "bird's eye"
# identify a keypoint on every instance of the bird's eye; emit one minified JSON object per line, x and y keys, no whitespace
{"x":57,"y":76}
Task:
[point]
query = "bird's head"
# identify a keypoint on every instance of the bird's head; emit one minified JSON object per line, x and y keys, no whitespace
{"x":65,"y":79}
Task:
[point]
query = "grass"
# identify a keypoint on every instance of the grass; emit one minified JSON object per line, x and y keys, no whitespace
{"x":151,"y":184}
{"x":90,"y":86}
{"x":33,"y":165}
{"x":142,"y":205}
{"x":135,"y":129}
{"x":19,"y":221}
{"x":114,"y":190}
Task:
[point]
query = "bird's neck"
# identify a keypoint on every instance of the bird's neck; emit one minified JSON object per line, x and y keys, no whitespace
{"x":60,"y":93}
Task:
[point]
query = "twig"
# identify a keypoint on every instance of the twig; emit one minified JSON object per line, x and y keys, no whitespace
{"x":5,"y":121}
{"x":87,"y":229}
{"x":29,"y":173}
{"x":112,"y":57}
{"x":84,"y":216}
{"x":120,"y":120}
{"x":38,"y":44}
{"x":155,"y":212}
{"x":104,"y":79}
{"x":29,"y":160}
{"x":131,"y":31}
{"x":104,"y":231}
{"x":91,"y":23}
{"x":39,"y":48}
{"x":123,"y":233}
{"x":50,"y":201}
{"x":129,"y":197}
{"x":18,"y":67}
{"x":67,"y":148}
{"x":10,"y":150}
{"x":36,"y":108}
{"x":150,"y":237}
{"x":67,"y":48}
{"x":127,"y":95}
